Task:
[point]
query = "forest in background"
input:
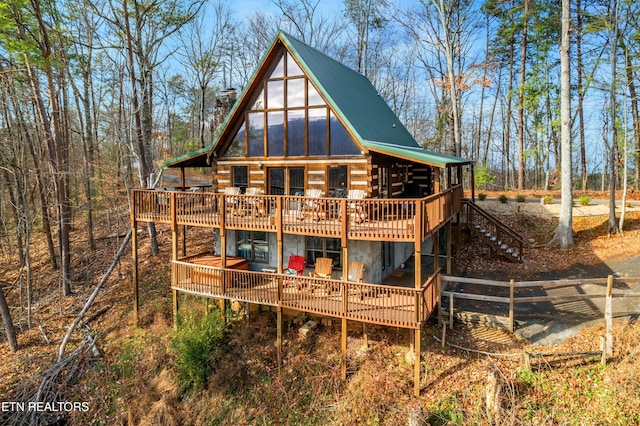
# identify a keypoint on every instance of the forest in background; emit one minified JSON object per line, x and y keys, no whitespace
{"x":95,"y":95}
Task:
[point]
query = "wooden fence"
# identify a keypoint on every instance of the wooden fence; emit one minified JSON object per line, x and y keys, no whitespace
{"x":513,"y":286}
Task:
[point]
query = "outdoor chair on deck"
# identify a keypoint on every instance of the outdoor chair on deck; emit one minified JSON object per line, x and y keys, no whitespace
{"x":355,"y":274}
{"x":294,"y":267}
{"x":232,"y":202}
{"x":310,"y":206}
{"x":252,"y":206}
{"x":356,"y":208}
{"x":324,"y":268}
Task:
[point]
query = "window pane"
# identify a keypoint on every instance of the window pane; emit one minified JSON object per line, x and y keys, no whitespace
{"x":295,"y":93}
{"x":238,"y":144}
{"x":337,"y":178}
{"x":243,"y":244}
{"x":240,"y":176}
{"x":292,"y":67}
{"x":295,"y":133}
{"x":256,"y":134}
{"x":275,"y":94}
{"x":318,"y":131}
{"x":259,"y":103}
{"x":296,"y":181}
{"x":276,"y":181}
{"x":278,"y":72}
{"x":314,"y":96}
{"x":275,"y":134}
{"x":340,"y":141}
{"x":260,"y":246}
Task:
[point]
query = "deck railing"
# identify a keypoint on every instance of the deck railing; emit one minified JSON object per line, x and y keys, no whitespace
{"x":396,"y":219}
{"x":372,"y":303}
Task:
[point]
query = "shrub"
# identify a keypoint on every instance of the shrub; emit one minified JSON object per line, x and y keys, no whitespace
{"x":196,"y":343}
{"x":520,"y":198}
{"x":483,"y":176}
{"x":503,"y":198}
{"x":547,"y":199}
{"x":584,"y":200}
{"x":482,"y":196}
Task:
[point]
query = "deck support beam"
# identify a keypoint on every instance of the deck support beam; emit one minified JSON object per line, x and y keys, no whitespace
{"x":174,"y":304}
{"x":449,"y":238}
{"x":343,"y":358}
{"x":416,"y":366}
{"x":134,"y":267}
{"x":279,"y":336}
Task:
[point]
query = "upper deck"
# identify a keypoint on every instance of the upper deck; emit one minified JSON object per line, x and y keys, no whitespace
{"x":395,"y":219}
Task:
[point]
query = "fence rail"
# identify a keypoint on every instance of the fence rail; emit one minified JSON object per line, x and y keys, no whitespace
{"x":512,"y":285}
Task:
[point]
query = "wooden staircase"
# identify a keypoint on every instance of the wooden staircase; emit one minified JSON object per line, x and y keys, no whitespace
{"x":502,"y":239}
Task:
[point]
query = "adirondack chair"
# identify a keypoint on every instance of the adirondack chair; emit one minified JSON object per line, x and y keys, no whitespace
{"x":252,"y":206}
{"x":310,"y":206}
{"x":324,"y":268}
{"x":355,"y":274}
{"x":295,"y":267}
{"x":356,"y":208}
{"x":232,"y":202}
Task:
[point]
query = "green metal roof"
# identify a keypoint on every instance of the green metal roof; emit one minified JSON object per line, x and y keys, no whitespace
{"x":352,"y":98}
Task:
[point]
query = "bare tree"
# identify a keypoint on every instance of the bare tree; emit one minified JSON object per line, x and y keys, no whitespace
{"x":204,"y":41}
{"x":563,"y":236}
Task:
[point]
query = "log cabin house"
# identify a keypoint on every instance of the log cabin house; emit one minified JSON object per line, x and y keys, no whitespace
{"x":312,"y":164}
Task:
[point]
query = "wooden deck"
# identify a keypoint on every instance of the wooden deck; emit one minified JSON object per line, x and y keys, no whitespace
{"x":371,"y":303}
{"x":367,"y":219}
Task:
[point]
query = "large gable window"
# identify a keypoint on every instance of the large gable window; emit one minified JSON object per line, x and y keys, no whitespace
{"x":288,"y":117}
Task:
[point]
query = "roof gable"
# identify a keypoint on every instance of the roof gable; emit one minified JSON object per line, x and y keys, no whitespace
{"x":350,"y":95}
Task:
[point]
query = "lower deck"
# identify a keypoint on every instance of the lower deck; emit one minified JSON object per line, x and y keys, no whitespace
{"x":391,"y":305}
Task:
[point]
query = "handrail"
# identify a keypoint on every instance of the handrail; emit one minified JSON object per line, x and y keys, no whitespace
{"x":405,"y":307}
{"x":495,"y":220}
{"x":393,"y":219}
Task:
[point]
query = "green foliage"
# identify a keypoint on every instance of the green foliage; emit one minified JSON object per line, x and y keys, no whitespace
{"x":584,"y":200}
{"x":482,"y":196}
{"x":483,"y":176}
{"x":197,"y":343}
{"x":520,"y":198}
{"x":547,"y":199}
{"x":503,"y":198}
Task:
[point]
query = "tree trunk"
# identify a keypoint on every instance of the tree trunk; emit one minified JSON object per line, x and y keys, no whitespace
{"x":613,"y":223}
{"x":580,"y":89}
{"x":563,"y":236}
{"x":8,"y":322}
{"x":523,"y":69}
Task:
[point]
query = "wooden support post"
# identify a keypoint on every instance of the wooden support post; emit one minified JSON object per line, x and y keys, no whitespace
{"x":416,"y":366}
{"x":184,"y":240}
{"x":436,"y":250}
{"x":174,"y":227}
{"x":436,"y":180}
{"x":472,"y":185}
{"x":343,"y":360}
{"x":449,"y":248}
{"x":222,"y":303}
{"x":279,"y":235}
{"x":444,"y":335}
{"x":608,"y":316}
{"x":175,"y":308}
{"x":458,"y":235}
{"x":451,"y":310}
{"x":417,"y":245}
{"x":134,"y":265}
{"x":365,"y":335}
{"x":511,"y":291}
{"x":279,"y":336}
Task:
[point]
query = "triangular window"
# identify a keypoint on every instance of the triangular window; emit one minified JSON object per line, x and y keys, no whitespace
{"x":288,"y":117}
